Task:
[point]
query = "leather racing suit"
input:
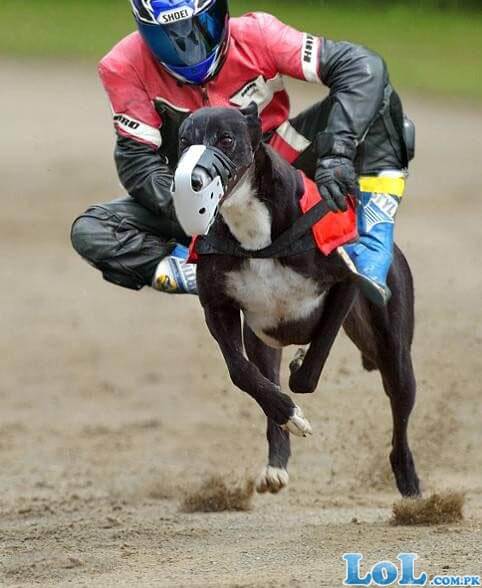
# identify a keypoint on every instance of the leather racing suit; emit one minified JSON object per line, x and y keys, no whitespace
{"x":128,"y":237}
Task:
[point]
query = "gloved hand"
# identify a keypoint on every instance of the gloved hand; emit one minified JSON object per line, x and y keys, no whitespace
{"x":336,"y":179}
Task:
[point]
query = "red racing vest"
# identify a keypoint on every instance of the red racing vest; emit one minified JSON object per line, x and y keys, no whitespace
{"x":335,"y":228}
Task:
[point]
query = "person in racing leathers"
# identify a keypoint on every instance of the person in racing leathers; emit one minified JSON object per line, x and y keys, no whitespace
{"x":188,"y":54}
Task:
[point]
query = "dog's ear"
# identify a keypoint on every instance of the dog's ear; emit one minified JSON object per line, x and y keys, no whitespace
{"x":250,"y":113}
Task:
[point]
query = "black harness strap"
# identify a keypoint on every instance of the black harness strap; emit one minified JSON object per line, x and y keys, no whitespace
{"x":293,"y":241}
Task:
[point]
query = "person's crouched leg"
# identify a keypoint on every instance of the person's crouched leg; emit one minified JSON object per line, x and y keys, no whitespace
{"x":125,"y":253}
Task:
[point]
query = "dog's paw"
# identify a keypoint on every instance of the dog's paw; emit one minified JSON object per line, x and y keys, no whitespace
{"x":297,"y":360}
{"x":297,"y":424}
{"x":272,"y":480}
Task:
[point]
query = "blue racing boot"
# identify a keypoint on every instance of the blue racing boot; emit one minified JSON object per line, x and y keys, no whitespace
{"x":174,"y":275}
{"x":371,"y":256}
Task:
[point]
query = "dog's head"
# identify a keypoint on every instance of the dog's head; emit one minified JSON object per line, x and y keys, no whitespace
{"x":216,"y":148}
{"x":237,"y":133}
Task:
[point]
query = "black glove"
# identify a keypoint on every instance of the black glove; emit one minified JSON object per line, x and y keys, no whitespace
{"x":336,"y":179}
{"x":335,"y":173}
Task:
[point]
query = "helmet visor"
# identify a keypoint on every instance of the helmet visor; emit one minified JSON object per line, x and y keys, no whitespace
{"x":188,"y":41}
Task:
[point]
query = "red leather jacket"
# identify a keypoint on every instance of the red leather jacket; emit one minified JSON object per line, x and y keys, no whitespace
{"x":149,"y":104}
{"x":252,"y":71}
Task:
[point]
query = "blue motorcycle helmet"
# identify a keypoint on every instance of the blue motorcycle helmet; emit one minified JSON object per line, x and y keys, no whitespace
{"x":188,"y":37}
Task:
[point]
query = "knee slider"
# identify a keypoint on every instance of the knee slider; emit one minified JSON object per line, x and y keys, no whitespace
{"x":93,"y":236}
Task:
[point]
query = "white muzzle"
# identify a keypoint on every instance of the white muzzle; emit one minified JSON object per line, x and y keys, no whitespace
{"x":195,"y":209}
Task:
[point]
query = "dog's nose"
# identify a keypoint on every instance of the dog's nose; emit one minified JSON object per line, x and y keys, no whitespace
{"x":197,"y":182}
{"x":199,"y":179}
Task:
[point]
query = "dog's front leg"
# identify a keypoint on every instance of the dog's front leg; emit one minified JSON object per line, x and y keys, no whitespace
{"x":224,"y":323}
{"x":306,"y":369}
{"x":274,"y":477}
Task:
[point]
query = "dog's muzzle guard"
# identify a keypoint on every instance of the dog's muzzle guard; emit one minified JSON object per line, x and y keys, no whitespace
{"x":215,"y":174}
{"x":195,"y":209}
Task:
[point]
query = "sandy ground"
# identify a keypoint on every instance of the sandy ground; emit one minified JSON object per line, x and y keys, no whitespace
{"x":113,"y":402}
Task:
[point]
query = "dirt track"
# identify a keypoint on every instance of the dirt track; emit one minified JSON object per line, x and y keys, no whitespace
{"x":112,"y":400}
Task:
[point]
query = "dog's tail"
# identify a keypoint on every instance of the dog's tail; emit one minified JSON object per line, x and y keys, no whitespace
{"x":409,"y":298}
{"x":368,"y":364}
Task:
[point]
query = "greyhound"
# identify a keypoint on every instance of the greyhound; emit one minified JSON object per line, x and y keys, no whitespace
{"x":301,"y":298}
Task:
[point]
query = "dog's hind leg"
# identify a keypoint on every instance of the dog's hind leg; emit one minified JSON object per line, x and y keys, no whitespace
{"x":274,"y":476}
{"x":306,"y":368}
{"x":399,"y":383}
{"x":384,"y":336}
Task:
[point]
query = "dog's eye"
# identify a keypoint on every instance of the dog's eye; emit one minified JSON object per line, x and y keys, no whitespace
{"x":226,"y":141}
{"x":183,"y":143}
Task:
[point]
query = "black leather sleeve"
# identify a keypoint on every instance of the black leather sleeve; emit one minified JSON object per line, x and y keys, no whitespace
{"x":145,"y":175}
{"x":357,"y":78}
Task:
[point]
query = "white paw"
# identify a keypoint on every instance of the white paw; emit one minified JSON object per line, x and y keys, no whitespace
{"x":272,"y":480}
{"x":297,"y":424}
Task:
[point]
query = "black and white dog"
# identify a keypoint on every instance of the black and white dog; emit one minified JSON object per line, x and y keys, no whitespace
{"x":300,"y":299}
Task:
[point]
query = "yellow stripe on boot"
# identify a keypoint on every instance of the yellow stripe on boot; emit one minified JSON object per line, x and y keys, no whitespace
{"x":382,"y":185}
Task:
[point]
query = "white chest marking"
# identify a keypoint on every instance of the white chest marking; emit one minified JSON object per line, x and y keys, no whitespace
{"x":271,"y":294}
{"x":247,"y":217}
{"x":268,"y":292}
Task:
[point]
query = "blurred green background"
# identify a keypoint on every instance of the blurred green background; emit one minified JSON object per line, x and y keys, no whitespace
{"x":430,"y":46}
